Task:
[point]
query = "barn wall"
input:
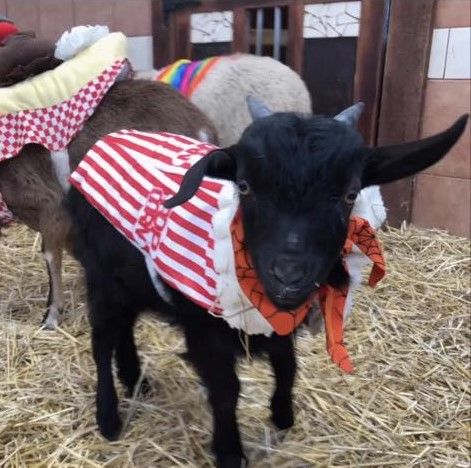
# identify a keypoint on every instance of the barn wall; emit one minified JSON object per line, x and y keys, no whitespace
{"x":50,"y":18}
{"x":442,"y":195}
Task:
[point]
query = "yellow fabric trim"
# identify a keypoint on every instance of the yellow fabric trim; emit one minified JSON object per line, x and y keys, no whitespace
{"x":60,"y":84}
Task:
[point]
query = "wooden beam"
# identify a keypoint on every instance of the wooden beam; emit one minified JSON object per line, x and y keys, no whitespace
{"x":295,"y":45}
{"x":371,"y":49}
{"x":241,"y":42}
{"x":161,"y":36}
{"x":170,"y":35}
{"x":405,"y":73}
{"x":182,"y":34}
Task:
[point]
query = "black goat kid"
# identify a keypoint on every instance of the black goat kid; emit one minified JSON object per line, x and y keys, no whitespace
{"x":298,"y":179}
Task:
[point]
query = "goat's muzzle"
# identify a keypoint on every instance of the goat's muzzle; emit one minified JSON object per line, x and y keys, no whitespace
{"x":288,"y":270}
{"x":289,"y":285}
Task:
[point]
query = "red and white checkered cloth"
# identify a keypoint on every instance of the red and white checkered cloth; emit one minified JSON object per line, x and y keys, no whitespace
{"x":53,"y":127}
{"x":128,"y":175}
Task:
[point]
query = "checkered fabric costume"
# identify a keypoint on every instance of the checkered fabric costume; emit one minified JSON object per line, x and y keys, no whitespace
{"x":53,"y":127}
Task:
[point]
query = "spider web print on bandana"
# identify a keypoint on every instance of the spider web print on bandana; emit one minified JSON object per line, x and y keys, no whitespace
{"x":283,"y":322}
{"x":361,"y":234}
{"x":332,"y":301}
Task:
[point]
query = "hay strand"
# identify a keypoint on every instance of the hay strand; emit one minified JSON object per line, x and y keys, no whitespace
{"x":406,"y":405}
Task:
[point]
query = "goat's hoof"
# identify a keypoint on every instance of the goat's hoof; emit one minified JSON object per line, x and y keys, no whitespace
{"x":49,"y":323}
{"x":144,"y":389}
{"x":231,"y":461}
{"x":110,"y":427}
{"x":282,"y":410}
{"x":282,"y":416}
{"x":51,"y":319}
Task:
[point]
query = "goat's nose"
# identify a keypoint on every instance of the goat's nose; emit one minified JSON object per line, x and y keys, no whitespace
{"x":287,"y":270}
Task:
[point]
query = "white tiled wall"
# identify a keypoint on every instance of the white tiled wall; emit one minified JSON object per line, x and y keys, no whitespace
{"x":450,"y":54}
{"x":340,"y":19}
{"x":458,"y":56}
{"x":436,"y":68}
{"x":140,"y":52}
{"x":212,"y":27}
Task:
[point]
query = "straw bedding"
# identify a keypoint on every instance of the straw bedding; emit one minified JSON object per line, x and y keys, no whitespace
{"x":406,"y":405}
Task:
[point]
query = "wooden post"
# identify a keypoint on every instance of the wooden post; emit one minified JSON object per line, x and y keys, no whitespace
{"x":405,"y":73}
{"x":295,"y":46}
{"x":371,"y":48}
{"x":241,"y":30}
{"x":161,"y":36}
{"x":182,"y":34}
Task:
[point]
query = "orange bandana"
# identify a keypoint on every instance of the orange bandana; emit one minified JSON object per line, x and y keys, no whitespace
{"x":332,"y":301}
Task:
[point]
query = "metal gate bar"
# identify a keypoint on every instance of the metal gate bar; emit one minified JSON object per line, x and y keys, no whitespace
{"x":259,"y":32}
{"x":277,"y":34}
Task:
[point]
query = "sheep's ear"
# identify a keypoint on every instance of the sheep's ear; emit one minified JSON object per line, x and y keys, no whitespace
{"x":390,"y":163}
{"x":351,"y":115}
{"x":257,"y":108}
{"x":219,"y":164}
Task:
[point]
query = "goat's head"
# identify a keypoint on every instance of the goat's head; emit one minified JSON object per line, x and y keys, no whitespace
{"x":298,"y":178}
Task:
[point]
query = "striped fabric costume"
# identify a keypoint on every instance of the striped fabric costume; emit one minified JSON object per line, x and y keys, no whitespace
{"x":128,"y":175}
{"x":198,"y":247}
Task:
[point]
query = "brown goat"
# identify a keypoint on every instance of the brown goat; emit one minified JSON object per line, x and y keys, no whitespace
{"x":32,"y":191}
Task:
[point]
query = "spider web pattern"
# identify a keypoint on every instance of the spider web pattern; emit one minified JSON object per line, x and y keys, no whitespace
{"x":283,"y":322}
{"x":332,"y":301}
{"x":361,"y":234}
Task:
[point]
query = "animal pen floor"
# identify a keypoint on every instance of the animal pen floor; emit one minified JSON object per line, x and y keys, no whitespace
{"x":408,"y":404}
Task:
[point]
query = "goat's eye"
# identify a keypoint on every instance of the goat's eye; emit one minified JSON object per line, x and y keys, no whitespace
{"x":244,"y":187}
{"x":350,"y":198}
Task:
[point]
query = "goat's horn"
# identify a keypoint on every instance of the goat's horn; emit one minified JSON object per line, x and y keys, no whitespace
{"x":257,"y":108}
{"x":351,"y":115}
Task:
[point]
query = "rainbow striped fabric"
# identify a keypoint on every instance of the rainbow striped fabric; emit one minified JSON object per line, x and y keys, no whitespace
{"x":185,"y":76}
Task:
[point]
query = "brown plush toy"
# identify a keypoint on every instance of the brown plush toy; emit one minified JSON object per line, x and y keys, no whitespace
{"x":22,"y":55}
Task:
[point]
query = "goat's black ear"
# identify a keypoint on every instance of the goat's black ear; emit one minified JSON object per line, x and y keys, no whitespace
{"x":390,"y":163}
{"x":219,"y":163}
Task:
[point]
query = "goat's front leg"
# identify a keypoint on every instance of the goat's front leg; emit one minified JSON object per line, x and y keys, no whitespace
{"x":55,"y":301}
{"x":283,"y":360}
{"x":128,"y":360}
{"x":215,"y":364}
{"x":107,"y":417}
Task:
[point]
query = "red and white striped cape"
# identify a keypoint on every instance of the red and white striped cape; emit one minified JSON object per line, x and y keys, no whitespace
{"x":128,"y":175}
